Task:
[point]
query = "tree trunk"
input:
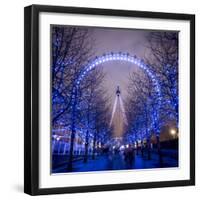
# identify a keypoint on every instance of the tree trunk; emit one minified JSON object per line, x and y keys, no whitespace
{"x":86,"y":147}
{"x":159,"y":151}
{"x":142,"y":149}
{"x":73,"y":130}
{"x":136,"y":147}
{"x":149,"y":148}
{"x":94,"y":144}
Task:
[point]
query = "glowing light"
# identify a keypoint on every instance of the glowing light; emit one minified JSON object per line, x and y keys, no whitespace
{"x":173,"y":132}
{"x":113,"y":111}
{"x":126,"y":58}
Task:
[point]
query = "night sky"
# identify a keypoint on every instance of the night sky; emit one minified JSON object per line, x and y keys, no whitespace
{"x":118,"y":40}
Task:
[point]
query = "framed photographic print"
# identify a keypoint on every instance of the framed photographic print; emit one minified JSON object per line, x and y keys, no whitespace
{"x":109,"y":100}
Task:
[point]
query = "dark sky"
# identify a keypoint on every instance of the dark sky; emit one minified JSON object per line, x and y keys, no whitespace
{"x":118,"y":40}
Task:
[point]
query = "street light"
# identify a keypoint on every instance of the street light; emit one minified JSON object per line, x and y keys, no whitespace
{"x":173,"y":132}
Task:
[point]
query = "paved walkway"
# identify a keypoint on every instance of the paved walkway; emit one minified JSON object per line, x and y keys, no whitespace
{"x":117,"y":162}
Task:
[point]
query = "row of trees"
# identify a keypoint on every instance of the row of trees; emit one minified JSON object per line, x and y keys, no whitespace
{"x":162,"y":58}
{"x":93,"y":108}
{"x":142,"y":103}
{"x":77,"y":107}
{"x":70,"y":51}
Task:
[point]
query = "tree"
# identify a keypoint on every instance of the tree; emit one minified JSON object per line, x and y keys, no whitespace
{"x":101,"y":118}
{"x":92,"y":108}
{"x":71,"y":49}
{"x":162,"y":57}
{"x":140,"y":107}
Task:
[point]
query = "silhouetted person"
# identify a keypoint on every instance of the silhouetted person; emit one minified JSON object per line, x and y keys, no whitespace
{"x":129,"y":156}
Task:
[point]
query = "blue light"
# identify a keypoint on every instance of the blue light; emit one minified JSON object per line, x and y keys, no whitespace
{"x":127,"y":58}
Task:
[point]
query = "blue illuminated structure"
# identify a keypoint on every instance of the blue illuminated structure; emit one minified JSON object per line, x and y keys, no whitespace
{"x":110,"y":57}
{"x":126,"y":57}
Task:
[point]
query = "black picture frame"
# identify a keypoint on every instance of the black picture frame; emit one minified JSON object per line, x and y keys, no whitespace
{"x":31,"y":98}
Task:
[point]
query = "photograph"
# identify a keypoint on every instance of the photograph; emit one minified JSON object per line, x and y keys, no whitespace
{"x":114,"y":99}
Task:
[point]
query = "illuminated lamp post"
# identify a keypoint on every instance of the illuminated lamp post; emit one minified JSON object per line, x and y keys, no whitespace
{"x":173,"y":133}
